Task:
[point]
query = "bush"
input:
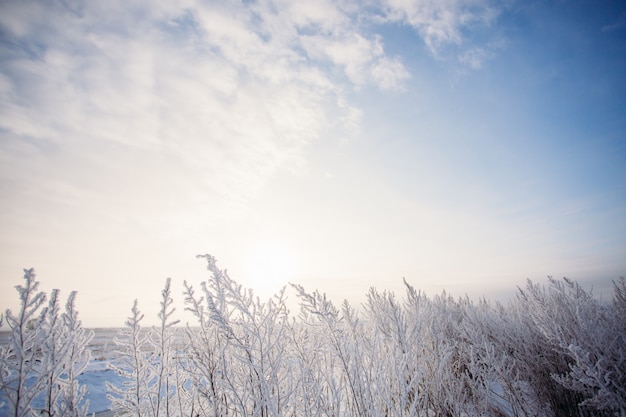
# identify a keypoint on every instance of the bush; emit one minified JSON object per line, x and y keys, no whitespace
{"x":553,"y":351}
{"x":47,"y":350}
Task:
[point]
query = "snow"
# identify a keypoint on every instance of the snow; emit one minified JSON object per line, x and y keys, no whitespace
{"x":94,"y":376}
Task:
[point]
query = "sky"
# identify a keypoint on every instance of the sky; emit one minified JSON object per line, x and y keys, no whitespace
{"x":464,"y":145}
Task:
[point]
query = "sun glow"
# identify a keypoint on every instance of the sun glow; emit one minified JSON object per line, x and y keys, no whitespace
{"x":268,"y":266}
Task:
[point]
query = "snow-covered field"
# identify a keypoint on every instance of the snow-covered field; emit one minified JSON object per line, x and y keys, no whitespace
{"x":97,"y":372}
{"x":95,"y":375}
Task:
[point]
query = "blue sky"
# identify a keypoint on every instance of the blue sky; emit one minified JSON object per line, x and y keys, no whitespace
{"x":465,"y":145}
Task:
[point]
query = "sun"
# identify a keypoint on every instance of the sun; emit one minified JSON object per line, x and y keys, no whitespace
{"x":268,"y":266}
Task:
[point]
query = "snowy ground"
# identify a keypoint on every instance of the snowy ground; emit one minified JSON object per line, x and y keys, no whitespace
{"x":96,"y":375}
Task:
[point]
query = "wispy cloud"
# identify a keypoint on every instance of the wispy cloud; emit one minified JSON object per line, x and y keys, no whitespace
{"x":620,"y":23}
{"x":362,"y":59}
{"x":235,"y":91}
{"x":193,"y":76}
{"x":474,"y":58}
{"x":445,"y":23}
{"x":104,"y":97}
{"x":206,"y":99}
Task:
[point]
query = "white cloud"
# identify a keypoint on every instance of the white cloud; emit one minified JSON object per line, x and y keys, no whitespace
{"x":149,"y":91}
{"x":325,"y":16}
{"x":157,"y":117}
{"x":474,"y":57}
{"x":442,"y":22}
{"x":389,"y":73}
{"x":362,"y":59}
{"x":223,"y":93}
{"x":148,"y":115}
{"x":184,"y":75}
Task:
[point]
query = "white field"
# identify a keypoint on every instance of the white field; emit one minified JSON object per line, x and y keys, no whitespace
{"x":95,"y":376}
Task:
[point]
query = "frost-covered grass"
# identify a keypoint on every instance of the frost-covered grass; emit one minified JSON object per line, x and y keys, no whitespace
{"x":94,"y":377}
{"x":553,"y":351}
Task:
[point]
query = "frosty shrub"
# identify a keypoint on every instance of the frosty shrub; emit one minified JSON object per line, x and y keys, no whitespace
{"x":165,"y":398}
{"x":149,"y":364}
{"x":133,"y":397}
{"x":239,"y":358}
{"x":586,"y":344}
{"x":77,"y":359}
{"x":46,"y":351}
{"x":554,"y":352}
